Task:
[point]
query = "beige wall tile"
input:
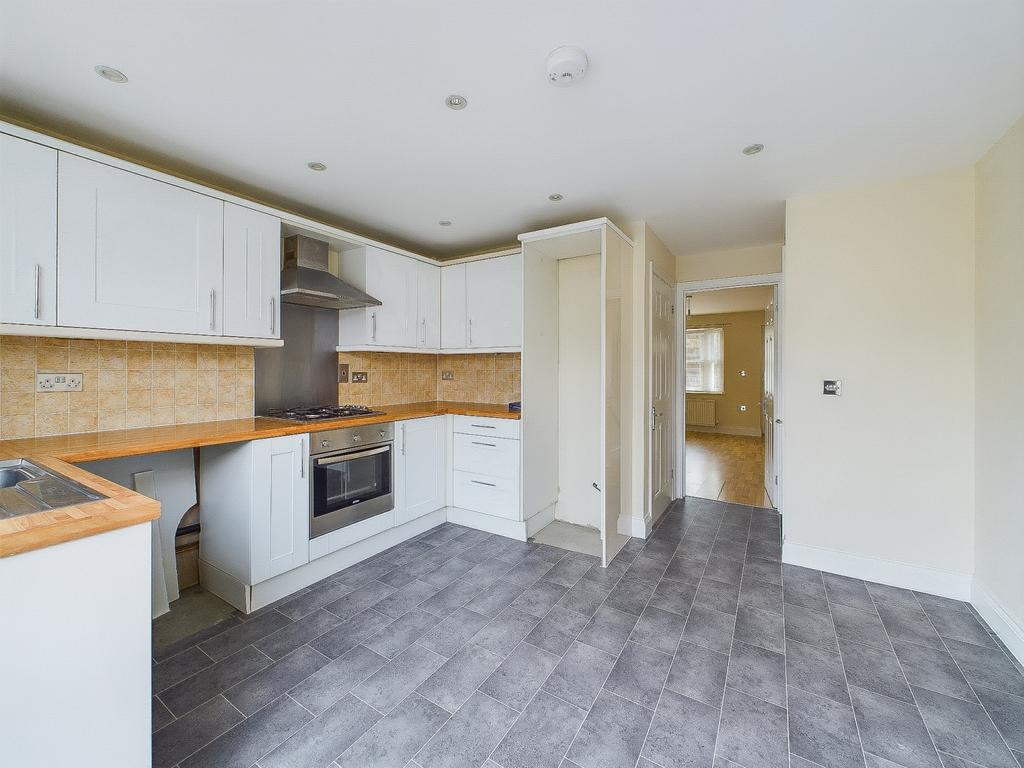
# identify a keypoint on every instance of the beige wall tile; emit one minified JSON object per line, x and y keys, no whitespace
{"x":110,"y":420}
{"x":138,"y":417}
{"x":84,"y":355}
{"x":82,"y":421}
{"x":17,"y":404}
{"x":83,"y":401}
{"x":51,"y":402}
{"x":113,"y":358}
{"x":50,"y":359}
{"x":112,"y":401}
{"x":162,"y":415}
{"x":113,"y":380}
{"x":15,"y":427}
{"x":48,"y":424}
{"x":139,"y":380}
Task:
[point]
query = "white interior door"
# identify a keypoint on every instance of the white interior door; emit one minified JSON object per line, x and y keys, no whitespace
{"x":662,"y":375}
{"x":609,"y":486}
{"x":768,"y":402}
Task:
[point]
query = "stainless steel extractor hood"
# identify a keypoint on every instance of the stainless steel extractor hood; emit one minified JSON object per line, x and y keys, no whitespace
{"x":307,"y":280}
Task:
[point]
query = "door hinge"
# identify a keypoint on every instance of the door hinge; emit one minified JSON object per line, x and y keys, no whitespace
{"x":673,"y":309}
{"x":672,"y":473}
{"x":776,"y":479}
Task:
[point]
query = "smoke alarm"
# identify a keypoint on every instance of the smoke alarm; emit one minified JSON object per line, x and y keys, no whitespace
{"x":566,"y":66}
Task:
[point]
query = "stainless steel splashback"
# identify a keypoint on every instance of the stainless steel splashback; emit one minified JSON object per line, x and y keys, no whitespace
{"x":304,"y":372}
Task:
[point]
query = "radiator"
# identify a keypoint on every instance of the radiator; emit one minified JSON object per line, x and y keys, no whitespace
{"x":700,"y":413}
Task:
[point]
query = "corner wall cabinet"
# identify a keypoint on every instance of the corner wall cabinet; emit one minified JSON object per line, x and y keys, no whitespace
{"x":28,"y":232}
{"x":408,"y":289}
{"x":482,"y":305}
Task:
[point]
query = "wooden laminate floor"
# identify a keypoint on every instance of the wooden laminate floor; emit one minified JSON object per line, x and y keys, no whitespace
{"x":726,"y":467}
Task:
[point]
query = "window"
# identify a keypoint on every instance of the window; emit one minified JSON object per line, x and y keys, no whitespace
{"x":705,"y":350}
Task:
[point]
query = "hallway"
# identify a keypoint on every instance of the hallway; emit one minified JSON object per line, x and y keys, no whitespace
{"x":726,"y":468}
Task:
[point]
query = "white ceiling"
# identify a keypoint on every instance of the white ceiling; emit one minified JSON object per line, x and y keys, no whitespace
{"x":246,"y":92}
{"x":730,"y":300}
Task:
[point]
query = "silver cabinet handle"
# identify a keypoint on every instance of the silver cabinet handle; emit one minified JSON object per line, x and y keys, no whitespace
{"x":35,"y":277}
{"x":302,"y":458}
{"x":273,"y":315}
{"x":373,"y":329}
{"x":481,"y":482}
{"x":482,"y":426}
{"x":403,"y":439}
{"x":595,"y":487}
{"x":423,"y":324}
{"x":342,"y":457}
{"x":213,"y":309}
{"x":471,"y":331}
{"x":489,"y":445}
{"x":778,"y":421}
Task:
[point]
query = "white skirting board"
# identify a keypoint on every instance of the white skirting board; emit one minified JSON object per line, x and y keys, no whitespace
{"x":1010,"y":628}
{"x":638,"y":527}
{"x":932,"y":580}
{"x":514,"y":529}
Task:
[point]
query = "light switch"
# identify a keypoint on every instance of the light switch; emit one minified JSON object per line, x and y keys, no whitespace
{"x":832,"y":387}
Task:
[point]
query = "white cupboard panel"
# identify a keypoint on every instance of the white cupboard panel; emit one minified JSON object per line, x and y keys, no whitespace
{"x":478,"y":425}
{"x":391,"y":278}
{"x":492,"y":456}
{"x":496,"y":496}
{"x":494,"y":302}
{"x":135,"y":253}
{"x":252,"y":273}
{"x":428,"y":303}
{"x":28,"y":232}
{"x":280,"y":506}
{"x":453,"y":307}
{"x":420,"y":470}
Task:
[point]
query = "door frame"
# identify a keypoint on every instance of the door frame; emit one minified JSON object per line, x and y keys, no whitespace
{"x":679,"y":399}
{"x":649,"y":436}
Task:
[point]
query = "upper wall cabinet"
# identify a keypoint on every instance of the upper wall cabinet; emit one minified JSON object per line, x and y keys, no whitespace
{"x":28,"y":232}
{"x":408,"y":290}
{"x":252,"y":273}
{"x":136,"y":253}
{"x":483,"y":304}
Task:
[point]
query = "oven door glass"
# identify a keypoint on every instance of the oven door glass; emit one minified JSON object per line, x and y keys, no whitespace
{"x":347,"y":479}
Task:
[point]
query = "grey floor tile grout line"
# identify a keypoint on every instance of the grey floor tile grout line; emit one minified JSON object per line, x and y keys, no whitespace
{"x":970,"y":685}
{"x":288,"y":694}
{"x":842,"y":661}
{"x":904,"y":673}
{"x":732,"y":640}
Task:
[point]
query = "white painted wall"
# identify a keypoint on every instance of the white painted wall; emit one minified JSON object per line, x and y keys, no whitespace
{"x":999,"y":420}
{"x":880,"y":294}
{"x":738,"y":262}
{"x":579,"y":389}
{"x":76,"y":652}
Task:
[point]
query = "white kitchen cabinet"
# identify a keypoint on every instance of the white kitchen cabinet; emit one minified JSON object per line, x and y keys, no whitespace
{"x":136,"y":253}
{"x":419,"y":467}
{"x":428,"y":306}
{"x":494,"y":302}
{"x":392,"y":279}
{"x":252,"y":273}
{"x":453,"y":307}
{"x":254,"y":499}
{"x":28,"y":232}
{"x":485,"y":466}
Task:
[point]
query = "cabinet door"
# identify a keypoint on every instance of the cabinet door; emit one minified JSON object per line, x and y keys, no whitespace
{"x":391,"y":278}
{"x":28,"y":232}
{"x":280,"y":505}
{"x":494,"y":302}
{"x":252,"y":273}
{"x":135,"y":253}
{"x":453,"y":307}
{"x":422,"y":470}
{"x":428,"y":303}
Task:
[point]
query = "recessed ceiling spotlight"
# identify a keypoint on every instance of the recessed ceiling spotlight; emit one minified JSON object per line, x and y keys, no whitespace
{"x":456,"y":102}
{"x":444,"y":223}
{"x":753,"y":149}
{"x":111,"y":74}
{"x":554,"y":198}
{"x":315,"y":166}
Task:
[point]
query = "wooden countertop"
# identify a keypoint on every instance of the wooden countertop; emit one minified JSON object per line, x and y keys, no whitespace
{"x":125,"y":507}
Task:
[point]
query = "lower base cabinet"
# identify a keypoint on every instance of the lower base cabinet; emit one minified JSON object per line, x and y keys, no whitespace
{"x":254,"y":501}
{"x":419,"y":467}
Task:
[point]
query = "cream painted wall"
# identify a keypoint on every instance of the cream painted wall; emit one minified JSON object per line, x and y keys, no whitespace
{"x":743,"y":351}
{"x":880,"y":293}
{"x":999,"y":361}
{"x":756,"y":260}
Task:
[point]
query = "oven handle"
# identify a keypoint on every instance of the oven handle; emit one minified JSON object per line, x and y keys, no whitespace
{"x":353,"y":455}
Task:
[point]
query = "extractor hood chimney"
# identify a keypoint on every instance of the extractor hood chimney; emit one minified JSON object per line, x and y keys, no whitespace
{"x":307,"y":280}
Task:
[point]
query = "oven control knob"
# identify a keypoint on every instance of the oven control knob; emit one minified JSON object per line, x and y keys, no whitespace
{"x":382,"y":433}
{"x":357,"y":438}
{"x":325,"y":443}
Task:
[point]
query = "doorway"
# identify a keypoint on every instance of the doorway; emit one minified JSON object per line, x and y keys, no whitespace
{"x":729,"y":422}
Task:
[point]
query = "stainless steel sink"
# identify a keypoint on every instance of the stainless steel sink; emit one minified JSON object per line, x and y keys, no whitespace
{"x":26,"y":488}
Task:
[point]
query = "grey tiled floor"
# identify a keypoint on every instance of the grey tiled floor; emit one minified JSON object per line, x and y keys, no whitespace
{"x":694,"y":648}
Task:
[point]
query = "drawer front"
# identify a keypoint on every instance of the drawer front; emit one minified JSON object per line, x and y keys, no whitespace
{"x":490,"y":495}
{"x":493,"y":456}
{"x":475,"y":425}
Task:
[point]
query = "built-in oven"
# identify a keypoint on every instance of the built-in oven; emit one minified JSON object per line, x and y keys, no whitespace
{"x":352,"y":476}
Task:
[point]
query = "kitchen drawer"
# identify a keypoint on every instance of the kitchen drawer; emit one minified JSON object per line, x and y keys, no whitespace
{"x":493,"y":456}
{"x":475,"y":425}
{"x":496,"y":496}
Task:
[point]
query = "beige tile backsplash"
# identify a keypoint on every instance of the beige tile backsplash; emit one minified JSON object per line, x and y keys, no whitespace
{"x":125,"y":385}
{"x":412,"y":378}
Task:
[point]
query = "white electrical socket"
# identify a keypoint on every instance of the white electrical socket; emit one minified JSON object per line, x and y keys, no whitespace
{"x":58,"y":382}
